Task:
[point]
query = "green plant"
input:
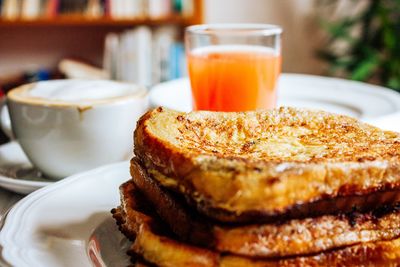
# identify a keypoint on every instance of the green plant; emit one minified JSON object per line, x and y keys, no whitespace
{"x":370,"y":44}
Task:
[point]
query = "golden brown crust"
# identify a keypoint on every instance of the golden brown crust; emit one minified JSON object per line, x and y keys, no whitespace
{"x":266,"y":161}
{"x":326,"y":204}
{"x":187,"y":225}
{"x":162,"y":250}
{"x":294,"y":237}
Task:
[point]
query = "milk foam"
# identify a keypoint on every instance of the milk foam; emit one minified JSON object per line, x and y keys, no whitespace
{"x":255,"y":49}
{"x":76,"y":91}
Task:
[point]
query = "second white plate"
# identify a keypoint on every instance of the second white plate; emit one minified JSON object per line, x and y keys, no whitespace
{"x":360,"y":100}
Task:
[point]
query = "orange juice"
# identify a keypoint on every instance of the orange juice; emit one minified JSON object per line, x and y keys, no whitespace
{"x":233,"y":77}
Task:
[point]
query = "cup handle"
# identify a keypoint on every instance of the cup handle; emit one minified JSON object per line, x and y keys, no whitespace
{"x":5,"y":122}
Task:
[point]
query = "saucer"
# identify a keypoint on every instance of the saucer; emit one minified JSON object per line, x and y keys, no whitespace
{"x":16,"y":172}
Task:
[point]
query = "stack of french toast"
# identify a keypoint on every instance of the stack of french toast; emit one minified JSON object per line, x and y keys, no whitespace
{"x":285,"y":187}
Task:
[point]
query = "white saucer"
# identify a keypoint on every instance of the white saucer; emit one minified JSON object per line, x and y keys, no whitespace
{"x":16,"y":172}
{"x":360,"y":100}
{"x":68,"y":223}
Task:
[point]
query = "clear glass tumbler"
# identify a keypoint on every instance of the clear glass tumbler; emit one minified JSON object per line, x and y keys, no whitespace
{"x":233,"y":67}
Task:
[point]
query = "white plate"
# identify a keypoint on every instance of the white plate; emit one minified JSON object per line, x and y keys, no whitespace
{"x":361,"y":100}
{"x":68,"y":223}
{"x":16,"y":172}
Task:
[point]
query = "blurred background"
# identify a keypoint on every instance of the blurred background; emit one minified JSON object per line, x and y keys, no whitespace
{"x":141,"y":40}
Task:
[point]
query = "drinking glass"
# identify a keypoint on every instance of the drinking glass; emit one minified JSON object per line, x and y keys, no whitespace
{"x":233,"y":67}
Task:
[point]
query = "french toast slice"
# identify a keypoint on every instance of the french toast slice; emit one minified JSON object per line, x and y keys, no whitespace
{"x":161,"y":249}
{"x":279,"y":239}
{"x":264,"y":163}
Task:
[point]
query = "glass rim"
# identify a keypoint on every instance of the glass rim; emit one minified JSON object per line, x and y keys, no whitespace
{"x":235,"y":29}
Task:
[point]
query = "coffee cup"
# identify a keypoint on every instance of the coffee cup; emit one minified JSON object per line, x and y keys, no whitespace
{"x":69,"y":126}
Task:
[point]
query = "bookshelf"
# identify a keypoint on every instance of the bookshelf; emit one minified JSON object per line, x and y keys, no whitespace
{"x":84,"y":21}
{"x":44,"y":40}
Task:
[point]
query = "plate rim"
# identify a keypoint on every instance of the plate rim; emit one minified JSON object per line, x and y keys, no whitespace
{"x":22,"y":182}
{"x":10,"y":250}
{"x":379,"y":90}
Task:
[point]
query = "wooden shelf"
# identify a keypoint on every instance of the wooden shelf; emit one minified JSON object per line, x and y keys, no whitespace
{"x":86,"y":21}
{"x":46,"y":40}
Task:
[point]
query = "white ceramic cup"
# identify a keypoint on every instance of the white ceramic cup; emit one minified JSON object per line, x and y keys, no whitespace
{"x":69,"y":126}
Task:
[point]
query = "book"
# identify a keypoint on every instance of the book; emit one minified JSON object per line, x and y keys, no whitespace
{"x":176,"y":60}
{"x":135,"y":56}
{"x":51,"y":8}
{"x":10,"y":9}
{"x":94,"y":9}
{"x":163,"y":37}
{"x":187,"y":8}
{"x":134,"y":9}
{"x":159,"y":8}
{"x":111,"y":55}
{"x":30,"y":9}
{"x":145,"y":56}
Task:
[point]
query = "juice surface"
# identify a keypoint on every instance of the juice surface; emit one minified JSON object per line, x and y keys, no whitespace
{"x":233,"y":77}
